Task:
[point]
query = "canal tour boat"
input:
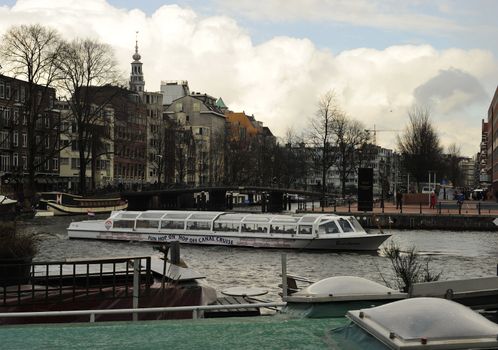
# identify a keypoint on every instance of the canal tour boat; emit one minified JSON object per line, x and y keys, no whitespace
{"x":309,"y":231}
{"x":60,"y":203}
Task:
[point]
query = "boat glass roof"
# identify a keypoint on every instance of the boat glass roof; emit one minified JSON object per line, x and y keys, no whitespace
{"x":204,"y":216}
{"x":430,"y":318}
{"x":177,"y":216}
{"x":231,"y":217}
{"x":284,"y":220}
{"x":151,"y":215}
{"x":130,"y":215}
{"x":220,"y":216}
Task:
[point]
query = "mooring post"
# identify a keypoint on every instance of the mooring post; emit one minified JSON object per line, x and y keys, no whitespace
{"x":175,"y":252}
{"x":284,"y":277}
{"x":136,"y":283}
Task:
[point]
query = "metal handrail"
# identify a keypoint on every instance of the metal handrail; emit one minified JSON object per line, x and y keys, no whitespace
{"x":195,"y":310}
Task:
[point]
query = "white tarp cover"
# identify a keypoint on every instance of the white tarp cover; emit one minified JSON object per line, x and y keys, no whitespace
{"x":345,"y":285}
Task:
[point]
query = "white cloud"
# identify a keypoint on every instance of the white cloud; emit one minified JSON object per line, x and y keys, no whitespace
{"x":281,"y":79}
{"x":378,"y":14}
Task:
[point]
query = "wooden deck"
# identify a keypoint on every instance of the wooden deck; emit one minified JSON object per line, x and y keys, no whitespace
{"x":229,"y":300}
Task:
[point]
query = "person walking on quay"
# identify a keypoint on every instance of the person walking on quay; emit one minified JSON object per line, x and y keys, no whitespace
{"x":399,"y":198}
{"x":433,"y":200}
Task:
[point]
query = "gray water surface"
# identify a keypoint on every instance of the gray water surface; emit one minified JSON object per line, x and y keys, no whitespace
{"x":456,"y":254}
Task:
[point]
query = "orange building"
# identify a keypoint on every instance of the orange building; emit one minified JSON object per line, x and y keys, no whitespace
{"x":242,"y":126}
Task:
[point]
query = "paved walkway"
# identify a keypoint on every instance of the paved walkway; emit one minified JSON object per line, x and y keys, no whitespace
{"x":468,"y":208}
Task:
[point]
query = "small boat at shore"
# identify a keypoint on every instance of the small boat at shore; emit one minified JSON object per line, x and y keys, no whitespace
{"x":60,"y":203}
{"x":335,"y":296}
{"x":7,"y":204}
{"x":309,"y":231}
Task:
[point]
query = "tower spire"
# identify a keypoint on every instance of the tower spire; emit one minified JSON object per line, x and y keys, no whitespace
{"x":137,"y":82}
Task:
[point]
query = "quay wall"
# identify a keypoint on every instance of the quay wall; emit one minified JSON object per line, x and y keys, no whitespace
{"x":425,"y":221}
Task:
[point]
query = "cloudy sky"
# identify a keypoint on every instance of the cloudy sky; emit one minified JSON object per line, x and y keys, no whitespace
{"x":274,"y":58}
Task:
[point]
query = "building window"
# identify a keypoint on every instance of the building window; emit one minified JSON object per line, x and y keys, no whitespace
{"x":15,"y":160}
{"x":6,"y":117}
{"x":4,"y":139}
{"x":47,"y":122}
{"x":197,"y":107}
{"x":64,"y":161}
{"x":7,"y":91}
{"x":47,"y":142}
{"x":16,"y":139}
{"x":25,"y":140}
{"x":75,"y":163}
{"x":55,"y":163}
{"x":16,"y":116}
{"x":2,"y":89}
{"x":46,"y":165}
{"x":24,"y":163}
{"x":23,"y":94}
{"x":4,"y":163}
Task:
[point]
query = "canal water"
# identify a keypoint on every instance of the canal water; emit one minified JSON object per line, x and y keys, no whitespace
{"x":455,"y":254}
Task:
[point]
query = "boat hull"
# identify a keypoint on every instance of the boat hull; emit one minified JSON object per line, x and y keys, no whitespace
{"x":60,"y":209}
{"x":369,"y":242}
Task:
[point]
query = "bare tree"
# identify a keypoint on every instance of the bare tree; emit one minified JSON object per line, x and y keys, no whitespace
{"x":419,"y":145}
{"x":88,"y":67}
{"x":321,"y":135}
{"x":31,"y":53}
{"x":349,"y":137}
{"x":452,"y":168}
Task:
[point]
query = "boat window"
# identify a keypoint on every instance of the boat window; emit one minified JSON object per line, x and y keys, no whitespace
{"x":356,"y":224}
{"x":151,"y":215}
{"x":128,"y":215}
{"x":329,"y":227}
{"x":226,"y":227}
{"x":173,"y":224}
{"x":177,"y":215}
{"x":345,"y":225}
{"x":305,"y":229}
{"x":288,"y":229}
{"x":232,"y":217}
{"x":203,"y":216}
{"x":123,"y":224}
{"x":147,"y":223}
{"x":257,"y":218}
{"x":309,"y":219}
{"x":257,"y":228}
{"x":198,"y":225}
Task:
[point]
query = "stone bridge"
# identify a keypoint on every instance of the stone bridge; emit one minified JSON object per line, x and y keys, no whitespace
{"x":271,"y":199}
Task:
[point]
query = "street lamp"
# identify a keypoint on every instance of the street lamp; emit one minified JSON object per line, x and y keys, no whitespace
{"x":159,"y":168}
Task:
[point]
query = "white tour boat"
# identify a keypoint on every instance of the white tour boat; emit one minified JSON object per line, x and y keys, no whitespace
{"x":309,"y":231}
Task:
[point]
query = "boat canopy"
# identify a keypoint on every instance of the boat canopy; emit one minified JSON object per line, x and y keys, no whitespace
{"x":307,"y":219}
{"x":421,"y":322}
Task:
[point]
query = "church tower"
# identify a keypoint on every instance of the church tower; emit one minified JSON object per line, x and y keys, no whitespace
{"x":137,"y":82}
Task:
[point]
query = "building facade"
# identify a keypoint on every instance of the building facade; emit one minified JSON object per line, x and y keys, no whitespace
{"x":492,"y":165}
{"x":29,"y":135}
{"x":99,"y":172}
{"x":484,"y":178}
{"x":199,"y":113}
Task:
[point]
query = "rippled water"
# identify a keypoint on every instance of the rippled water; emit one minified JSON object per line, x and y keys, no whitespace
{"x":456,"y":254}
